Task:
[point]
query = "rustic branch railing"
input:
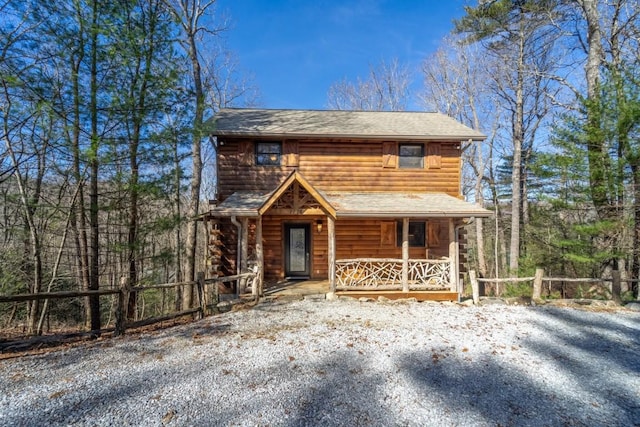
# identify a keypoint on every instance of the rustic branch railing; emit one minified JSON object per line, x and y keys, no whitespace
{"x":380,"y":273}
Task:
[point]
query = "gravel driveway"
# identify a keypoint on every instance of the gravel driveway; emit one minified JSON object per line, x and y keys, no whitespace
{"x":346,"y":363}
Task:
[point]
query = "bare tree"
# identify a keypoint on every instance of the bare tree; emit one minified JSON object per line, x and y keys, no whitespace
{"x":456,"y":83}
{"x":518,"y":36}
{"x":386,"y":88}
{"x":189,"y":14}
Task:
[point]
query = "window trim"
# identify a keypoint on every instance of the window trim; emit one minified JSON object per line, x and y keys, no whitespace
{"x":421,"y":244}
{"x":401,"y":157}
{"x":278,"y":153}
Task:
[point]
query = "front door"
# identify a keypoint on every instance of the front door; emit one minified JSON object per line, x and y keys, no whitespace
{"x":296,"y":250}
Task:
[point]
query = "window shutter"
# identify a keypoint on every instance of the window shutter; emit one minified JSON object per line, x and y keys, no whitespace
{"x":434,"y":158}
{"x":389,"y":154}
{"x":291,"y":154}
{"x":245,"y":153}
{"x":388,"y":233}
{"x":433,"y":234}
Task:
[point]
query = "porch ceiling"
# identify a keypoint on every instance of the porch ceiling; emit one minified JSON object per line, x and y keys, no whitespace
{"x":354,"y":205}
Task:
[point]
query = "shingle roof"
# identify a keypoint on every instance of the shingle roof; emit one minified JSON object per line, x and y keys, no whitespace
{"x":339,"y":123}
{"x":398,"y":205}
{"x":351,"y":204}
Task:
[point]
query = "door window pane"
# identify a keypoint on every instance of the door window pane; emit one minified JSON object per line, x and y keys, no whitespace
{"x":297,"y":250}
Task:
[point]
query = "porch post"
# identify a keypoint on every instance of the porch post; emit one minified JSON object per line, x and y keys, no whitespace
{"x":257,"y":288}
{"x":331,"y":229}
{"x":405,"y":254}
{"x":453,"y":256}
{"x":244,"y":252}
{"x":244,"y":248}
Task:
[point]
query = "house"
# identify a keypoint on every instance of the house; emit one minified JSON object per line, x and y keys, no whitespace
{"x":368,"y":200}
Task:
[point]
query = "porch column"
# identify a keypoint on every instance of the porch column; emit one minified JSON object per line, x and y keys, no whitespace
{"x":244,"y":252}
{"x":257,"y":288}
{"x":405,"y":254}
{"x":453,"y":256}
{"x":331,"y":229}
{"x":244,"y":245}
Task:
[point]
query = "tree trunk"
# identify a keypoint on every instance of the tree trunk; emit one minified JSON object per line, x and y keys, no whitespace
{"x":516,"y":177}
{"x":196,"y":171}
{"x":94,"y":301}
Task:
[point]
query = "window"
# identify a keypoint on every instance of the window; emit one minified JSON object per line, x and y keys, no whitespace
{"x":268,"y":153}
{"x":411,"y":156}
{"x":416,"y":234}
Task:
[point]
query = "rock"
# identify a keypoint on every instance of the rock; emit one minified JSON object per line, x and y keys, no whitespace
{"x":383,"y":299}
{"x":467,"y":302}
{"x":518,"y":301}
{"x":224,"y":306}
{"x":365,"y":299}
{"x":331,"y":296}
{"x":492,"y":301}
{"x":404,"y":300}
{"x":634,"y":306}
{"x":602,"y":303}
{"x":315,"y":297}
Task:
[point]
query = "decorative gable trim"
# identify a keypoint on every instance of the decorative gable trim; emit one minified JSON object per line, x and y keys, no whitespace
{"x":297,"y":196}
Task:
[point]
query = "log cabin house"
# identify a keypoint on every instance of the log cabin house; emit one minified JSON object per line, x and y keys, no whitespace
{"x":369,"y":201}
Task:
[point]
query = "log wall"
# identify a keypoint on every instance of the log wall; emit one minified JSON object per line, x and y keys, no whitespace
{"x":354,"y":239}
{"x":332,"y":165}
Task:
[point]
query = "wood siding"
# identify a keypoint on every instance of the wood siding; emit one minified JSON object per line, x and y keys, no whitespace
{"x":354,"y":239}
{"x":340,"y":166}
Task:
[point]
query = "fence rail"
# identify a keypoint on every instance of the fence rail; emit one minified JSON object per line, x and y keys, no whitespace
{"x":539,"y":279}
{"x":206,"y":298}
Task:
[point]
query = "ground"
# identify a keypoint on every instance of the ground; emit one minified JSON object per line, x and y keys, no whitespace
{"x":344,"y":363}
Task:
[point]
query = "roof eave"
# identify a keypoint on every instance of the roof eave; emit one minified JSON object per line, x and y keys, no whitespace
{"x":441,"y":214}
{"x":225,"y":213}
{"x":352,"y":136}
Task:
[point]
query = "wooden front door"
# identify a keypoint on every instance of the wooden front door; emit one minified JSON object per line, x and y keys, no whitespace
{"x":297,"y":250}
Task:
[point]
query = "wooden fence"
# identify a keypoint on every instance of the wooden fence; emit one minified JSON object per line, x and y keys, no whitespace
{"x":539,"y":279}
{"x":205,"y":302}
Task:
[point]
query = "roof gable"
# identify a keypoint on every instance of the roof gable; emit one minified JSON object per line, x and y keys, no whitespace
{"x":294,"y":183}
{"x":339,"y":124}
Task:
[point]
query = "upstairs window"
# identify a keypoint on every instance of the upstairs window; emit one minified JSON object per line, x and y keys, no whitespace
{"x":268,"y":153}
{"x":416,"y":234}
{"x":411,"y":156}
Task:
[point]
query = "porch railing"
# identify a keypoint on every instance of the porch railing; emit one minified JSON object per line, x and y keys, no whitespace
{"x":376,"y":273}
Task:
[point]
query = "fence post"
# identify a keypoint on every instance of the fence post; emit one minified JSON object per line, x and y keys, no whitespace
{"x":537,"y":284}
{"x":475,"y":289}
{"x":121,"y":307}
{"x":615,"y":287}
{"x":202,"y":300}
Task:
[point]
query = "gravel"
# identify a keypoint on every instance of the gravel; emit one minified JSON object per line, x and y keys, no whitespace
{"x":344,"y":362}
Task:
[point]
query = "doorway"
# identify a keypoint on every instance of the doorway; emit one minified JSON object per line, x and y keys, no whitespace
{"x":297,"y":251}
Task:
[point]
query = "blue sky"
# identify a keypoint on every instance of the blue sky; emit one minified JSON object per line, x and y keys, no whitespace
{"x":295,"y":49}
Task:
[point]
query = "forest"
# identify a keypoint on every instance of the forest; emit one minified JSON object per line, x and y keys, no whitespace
{"x":106,"y":166}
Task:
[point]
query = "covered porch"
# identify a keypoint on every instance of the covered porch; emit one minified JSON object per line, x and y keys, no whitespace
{"x":340,"y":238}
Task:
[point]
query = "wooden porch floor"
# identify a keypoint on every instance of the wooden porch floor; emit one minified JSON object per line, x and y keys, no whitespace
{"x":318,"y":287}
{"x":298,"y":287}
